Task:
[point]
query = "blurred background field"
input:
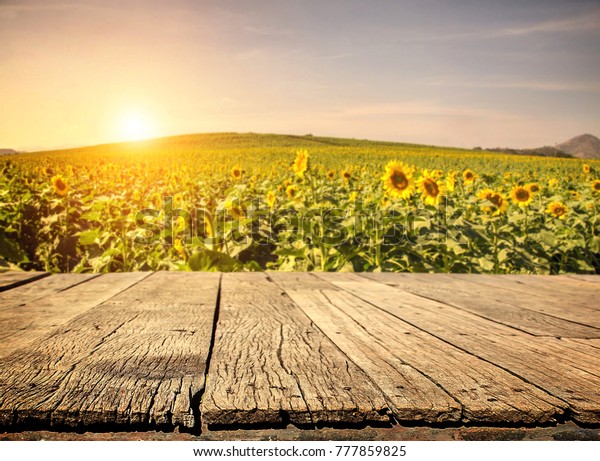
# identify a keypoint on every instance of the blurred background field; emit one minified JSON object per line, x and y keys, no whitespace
{"x":229,"y":201}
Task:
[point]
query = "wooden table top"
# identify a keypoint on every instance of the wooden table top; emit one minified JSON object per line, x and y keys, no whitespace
{"x":202,"y":352}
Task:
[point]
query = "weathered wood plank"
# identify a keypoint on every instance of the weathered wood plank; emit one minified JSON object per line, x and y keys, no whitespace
{"x":485,"y":301}
{"x":586,"y":277}
{"x":584,"y":292}
{"x":30,"y":322}
{"x":138,"y":358}
{"x":423,"y":377}
{"x":595,"y":343}
{"x":270,"y":365}
{"x":543,"y":362}
{"x":411,"y":395}
{"x":581,"y":309}
{"x":13,"y":279}
{"x":567,"y":288}
{"x":47,"y":286}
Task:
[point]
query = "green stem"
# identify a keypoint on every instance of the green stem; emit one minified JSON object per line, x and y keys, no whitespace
{"x":526,"y":223}
{"x":67,"y":227}
{"x":495,"y":251}
{"x":321,"y":233}
{"x":377,"y":247}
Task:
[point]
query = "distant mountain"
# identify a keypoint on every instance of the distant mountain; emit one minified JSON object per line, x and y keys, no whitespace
{"x":582,"y":146}
{"x":545,"y":151}
{"x":7,"y":151}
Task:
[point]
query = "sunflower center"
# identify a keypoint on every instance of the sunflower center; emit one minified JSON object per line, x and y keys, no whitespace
{"x":496,"y":199}
{"x":559,"y":211}
{"x":431,"y":187}
{"x":399,"y":180}
{"x":60,"y":185}
{"x":522,"y":195}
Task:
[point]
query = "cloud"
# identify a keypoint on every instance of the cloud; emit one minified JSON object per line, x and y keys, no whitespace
{"x":589,"y":22}
{"x":422,"y":108}
{"x":583,"y":22}
{"x":264,"y":31}
{"x":535,"y":85}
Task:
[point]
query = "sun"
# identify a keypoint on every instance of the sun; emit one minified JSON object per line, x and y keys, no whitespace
{"x":134,"y":126}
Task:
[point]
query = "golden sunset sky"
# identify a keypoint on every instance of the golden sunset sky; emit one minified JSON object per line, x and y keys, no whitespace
{"x":459,"y":73}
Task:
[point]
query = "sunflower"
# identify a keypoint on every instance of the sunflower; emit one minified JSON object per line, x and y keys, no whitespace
{"x":468,"y":176}
{"x":499,"y":203}
{"x":331,"y":174}
{"x":553,"y":182}
{"x":177,"y":200}
{"x":291,"y":191}
{"x":271,"y":199}
{"x":596,"y":185}
{"x":236,"y":172}
{"x":353,"y":196}
{"x":450,"y":181}
{"x":60,"y":186}
{"x":521,"y":196}
{"x":558,"y":210}
{"x":234,"y":210}
{"x":398,"y":180}
{"x":301,"y":163}
{"x":209,"y":227}
{"x":179,"y":224}
{"x":347,"y":175}
{"x":179,"y":246}
{"x":586,"y":168}
{"x":533,"y":187}
{"x":431,"y":191}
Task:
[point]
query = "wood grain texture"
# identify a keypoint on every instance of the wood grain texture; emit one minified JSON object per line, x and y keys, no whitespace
{"x":137,"y":359}
{"x":42,"y":288}
{"x":482,"y":391}
{"x":544,"y":362}
{"x":563,"y":286}
{"x":581,"y":308}
{"x":487,"y":301}
{"x":131,"y":351}
{"x":271,"y":365}
{"x":13,"y":279}
{"x":30,"y":322}
{"x":585,"y":277}
{"x":412,"y":395}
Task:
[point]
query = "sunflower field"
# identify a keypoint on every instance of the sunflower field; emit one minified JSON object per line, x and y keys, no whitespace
{"x":269,"y":202}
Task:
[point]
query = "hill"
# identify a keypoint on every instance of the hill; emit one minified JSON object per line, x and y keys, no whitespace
{"x":238,"y":147}
{"x":7,"y":151}
{"x":582,"y":146}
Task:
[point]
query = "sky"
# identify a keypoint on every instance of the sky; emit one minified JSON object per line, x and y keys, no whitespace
{"x":459,"y":73}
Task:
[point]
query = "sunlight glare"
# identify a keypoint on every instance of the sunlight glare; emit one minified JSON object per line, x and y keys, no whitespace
{"x":135,"y":126}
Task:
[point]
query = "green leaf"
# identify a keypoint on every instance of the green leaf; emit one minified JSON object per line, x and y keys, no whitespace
{"x":486,"y":264}
{"x":89,"y":237}
{"x":92,"y":216}
{"x":213,"y":261}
